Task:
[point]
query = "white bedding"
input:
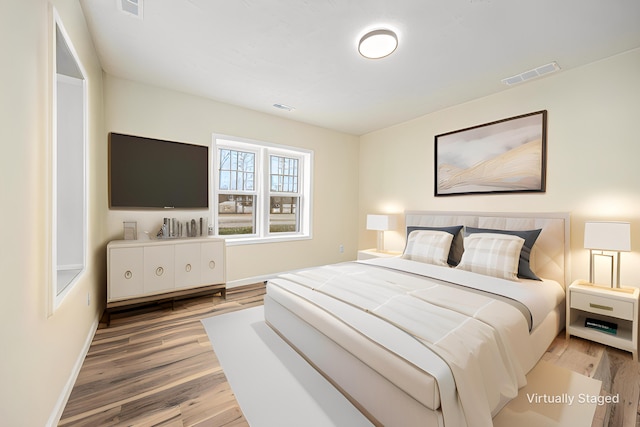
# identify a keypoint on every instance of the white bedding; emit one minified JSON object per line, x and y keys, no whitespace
{"x":539,"y":297}
{"x":483,"y":340}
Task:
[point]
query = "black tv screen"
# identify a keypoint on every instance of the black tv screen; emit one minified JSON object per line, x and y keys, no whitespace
{"x":151,"y":173}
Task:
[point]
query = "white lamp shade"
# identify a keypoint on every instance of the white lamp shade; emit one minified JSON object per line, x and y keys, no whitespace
{"x":607,"y":236}
{"x":381,"y":222}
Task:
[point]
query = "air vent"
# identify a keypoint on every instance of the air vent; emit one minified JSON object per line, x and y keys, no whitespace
{"x":130,"y":7}
{"x":532,"y":74}
{"x":284,"y":107}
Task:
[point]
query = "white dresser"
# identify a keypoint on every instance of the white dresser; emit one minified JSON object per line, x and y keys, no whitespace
{"x":140,"y":271}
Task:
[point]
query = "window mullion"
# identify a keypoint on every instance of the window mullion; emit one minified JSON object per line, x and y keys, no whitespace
{"x":264,"y":192}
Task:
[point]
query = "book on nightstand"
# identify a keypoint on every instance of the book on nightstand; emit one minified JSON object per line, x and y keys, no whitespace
{"x":601,"y":325}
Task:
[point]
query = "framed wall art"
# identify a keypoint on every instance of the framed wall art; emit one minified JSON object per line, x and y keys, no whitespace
{"x":504,"y":156}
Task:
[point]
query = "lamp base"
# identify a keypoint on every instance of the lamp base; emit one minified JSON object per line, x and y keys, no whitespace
{"x":592,"y":262}
{"x":380,"y":243}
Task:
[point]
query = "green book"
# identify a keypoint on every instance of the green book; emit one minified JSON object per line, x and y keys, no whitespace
{"x":601,"y":325}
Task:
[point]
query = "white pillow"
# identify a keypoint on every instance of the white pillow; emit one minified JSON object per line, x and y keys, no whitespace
{"x":428,"y":246}
{"x":490,"y":254}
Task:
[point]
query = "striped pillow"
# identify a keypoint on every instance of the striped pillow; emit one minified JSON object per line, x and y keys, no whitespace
{"x":495,"y":255}
{"x":428,"y":246}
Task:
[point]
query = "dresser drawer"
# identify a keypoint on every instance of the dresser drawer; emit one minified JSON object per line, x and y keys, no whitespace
{"x":601,"y":305}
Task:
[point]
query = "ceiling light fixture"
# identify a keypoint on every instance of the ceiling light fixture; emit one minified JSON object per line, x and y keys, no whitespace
{"x":377,"y":44}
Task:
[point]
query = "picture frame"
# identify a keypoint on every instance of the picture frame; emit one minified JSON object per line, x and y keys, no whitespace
{"x":130,"y":230}
{"x":504,"y":156}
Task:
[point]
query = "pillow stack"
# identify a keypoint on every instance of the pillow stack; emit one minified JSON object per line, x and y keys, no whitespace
{"x":500,"y":253}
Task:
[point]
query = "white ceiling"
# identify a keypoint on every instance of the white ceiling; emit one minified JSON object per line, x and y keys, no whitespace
{"x":255,"y":53}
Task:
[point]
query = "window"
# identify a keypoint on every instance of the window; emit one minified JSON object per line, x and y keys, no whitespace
{"x":262,"y":191}
{"x":68,"y":175}
{"x":236,"y":192}
{"x":283,"y":194}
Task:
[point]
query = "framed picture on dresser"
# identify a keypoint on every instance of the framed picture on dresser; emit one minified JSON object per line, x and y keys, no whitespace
{"x":504,"y":156}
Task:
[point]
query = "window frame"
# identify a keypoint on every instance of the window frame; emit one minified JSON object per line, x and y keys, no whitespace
{"x":216,"y":191}
{"x":270,"y":193}
{"x":56,"y":294}
{"x":262,"y":189}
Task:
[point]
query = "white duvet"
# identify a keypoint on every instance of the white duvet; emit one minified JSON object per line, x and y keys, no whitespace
{"x":483,"y":340}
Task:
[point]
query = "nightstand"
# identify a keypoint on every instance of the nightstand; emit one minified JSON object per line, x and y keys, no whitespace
{"x":372,"y":253}
{"x":613,"y":305}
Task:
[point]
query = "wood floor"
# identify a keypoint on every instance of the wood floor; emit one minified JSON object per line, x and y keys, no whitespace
{"x":619,"y":374}
{"x":155,"y":367}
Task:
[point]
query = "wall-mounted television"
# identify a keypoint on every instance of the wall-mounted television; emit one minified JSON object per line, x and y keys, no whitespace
{"x":151,"y":173}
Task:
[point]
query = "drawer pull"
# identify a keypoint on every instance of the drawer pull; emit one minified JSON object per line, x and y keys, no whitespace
{"x":128,"y":274}
{"x":187,"y":268}
{"x":159,"y":271}
{"x":212,"y":264}
{"x":600,"y":307}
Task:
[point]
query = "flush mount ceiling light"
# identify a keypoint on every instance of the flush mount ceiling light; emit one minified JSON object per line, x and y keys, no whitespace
{"x":378,"y":44}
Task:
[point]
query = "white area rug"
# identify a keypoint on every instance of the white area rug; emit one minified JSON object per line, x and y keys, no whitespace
{"x":273,"y":384}
{"x":553,"y":397}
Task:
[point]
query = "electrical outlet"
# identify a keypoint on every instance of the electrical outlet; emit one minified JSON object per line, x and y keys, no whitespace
{"x":341,"y":249}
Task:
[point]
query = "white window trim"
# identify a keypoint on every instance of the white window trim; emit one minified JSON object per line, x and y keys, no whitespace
{"x":55,"y":299}
{"x":262,"y":179}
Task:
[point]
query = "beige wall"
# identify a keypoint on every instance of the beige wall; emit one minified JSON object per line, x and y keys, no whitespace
{"x":593,"y":152}
{"x":39,"y":352}
{"x":149,"y":111}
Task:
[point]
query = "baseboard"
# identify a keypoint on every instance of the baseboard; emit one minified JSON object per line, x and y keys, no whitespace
{"x":249,"y":281}
{"x":58,"y":409}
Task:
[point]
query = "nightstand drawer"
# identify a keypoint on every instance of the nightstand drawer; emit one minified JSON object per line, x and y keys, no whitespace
{"x":606,"y":306}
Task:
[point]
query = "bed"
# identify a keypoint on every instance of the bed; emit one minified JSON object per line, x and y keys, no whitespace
{"x":442,"y":335}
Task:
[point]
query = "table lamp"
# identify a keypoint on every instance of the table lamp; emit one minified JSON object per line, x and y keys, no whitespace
{"x":381,"y":223}
{"x":612,"y":236}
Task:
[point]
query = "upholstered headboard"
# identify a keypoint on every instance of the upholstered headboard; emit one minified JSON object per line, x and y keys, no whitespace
{"x":550,"y":255}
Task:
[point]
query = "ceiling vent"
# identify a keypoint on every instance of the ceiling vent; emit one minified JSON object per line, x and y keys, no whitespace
{"x":130,"y":7}
{"x":284,"y":107}
{"x":532,"y":74}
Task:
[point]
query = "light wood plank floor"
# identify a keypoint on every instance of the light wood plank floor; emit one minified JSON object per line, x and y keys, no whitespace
{"x":619,"y":374}
{"x":156,"y":367}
